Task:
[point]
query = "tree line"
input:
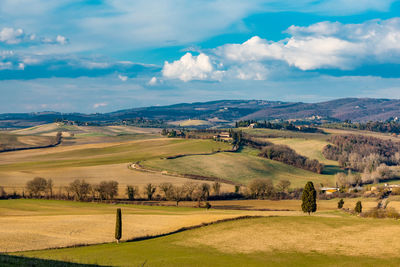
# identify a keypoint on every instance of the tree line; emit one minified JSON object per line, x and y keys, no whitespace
{"x":288,"y":156}
{"x":81,"y":190}
{"x":368,"y":155}
{"x":278,"y":126}
{"x":389,"y":126}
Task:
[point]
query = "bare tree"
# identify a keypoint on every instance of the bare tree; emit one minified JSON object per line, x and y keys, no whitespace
{"x":37,"y":186}
{"x":80,"y":189}
{"x":216,"y":188}
{"x":283,"y":185}
{"x":150,"y":190}
{"x":49,"y":188}
{"x":167,"y":189}
{"x":107,"y":189}
{"x":131,"y":191}
{"x":189,"y":187}
{"x":261,"y":188}
{"x":178,"y":194}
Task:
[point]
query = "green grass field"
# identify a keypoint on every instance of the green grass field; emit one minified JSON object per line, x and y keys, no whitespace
{"x":113,"y":153}
{"x":272,"y":241}
{"x":240,"y":167}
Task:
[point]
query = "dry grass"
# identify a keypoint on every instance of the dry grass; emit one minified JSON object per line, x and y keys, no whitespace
{"x":359,"y":132}
{"x":40,"y":224}
{"x":309,"y":148}
{"x":41,"y":232}
{"x":291,"y":205}
{"x":96,"y":162}
{"x":16,"y":180}
{"x":190,"y":123}
{"x":338,"y":236}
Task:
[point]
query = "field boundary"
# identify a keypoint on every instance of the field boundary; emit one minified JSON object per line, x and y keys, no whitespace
{"x":187,"y":228}
{"x":30,"y":148}
{"x":148,"y":237}
{"x":137,"y":167}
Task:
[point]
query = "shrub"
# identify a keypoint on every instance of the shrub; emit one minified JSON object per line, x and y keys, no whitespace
{"x":237,"y":189}
{"x":396,"y":191}
{"x":340,"y":203}
{"x":382,"y":213}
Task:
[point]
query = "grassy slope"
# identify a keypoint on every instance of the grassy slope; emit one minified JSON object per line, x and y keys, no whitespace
{"x":239,"y":167}
{"x":111,"y":153}
{"x":22,"y":141}
{"x":279,"y":241}
{"x":40,"y":224}
{"x":311,"y":148}
{"x":187,"y":123}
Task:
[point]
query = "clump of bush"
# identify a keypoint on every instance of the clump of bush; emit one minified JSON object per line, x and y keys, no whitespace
{"x":340,"y":203}
{"x":381,"y":213}
{"x":358,"y":208}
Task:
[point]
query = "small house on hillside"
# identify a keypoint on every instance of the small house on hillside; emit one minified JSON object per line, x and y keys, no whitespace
{"x":225,"y":136}
{"x":329,"y":190}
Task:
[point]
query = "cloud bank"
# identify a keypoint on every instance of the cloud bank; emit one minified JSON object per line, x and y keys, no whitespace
{"x":324,"y":45}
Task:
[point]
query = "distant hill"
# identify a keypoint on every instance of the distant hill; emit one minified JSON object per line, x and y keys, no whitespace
{"x":226,"y":111}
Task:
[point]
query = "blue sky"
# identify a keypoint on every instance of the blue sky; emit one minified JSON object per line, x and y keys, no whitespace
{"x":104,"y":55}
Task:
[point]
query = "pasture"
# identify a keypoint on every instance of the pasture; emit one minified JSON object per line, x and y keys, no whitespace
{"x":270,"y":241}
{"x":40,"y":224}
{"x":96,"y":162}
{"x":12,"y":141}
{"x":241,"y":167}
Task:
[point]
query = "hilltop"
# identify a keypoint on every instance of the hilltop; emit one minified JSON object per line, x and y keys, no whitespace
{"x":224,"y":112}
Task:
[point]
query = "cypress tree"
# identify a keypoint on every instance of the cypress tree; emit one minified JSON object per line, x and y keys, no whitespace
{"x":118,"y":226}
{"x":340,"y":203}
{"x":309,"y":198}
{"x":358,"y":207}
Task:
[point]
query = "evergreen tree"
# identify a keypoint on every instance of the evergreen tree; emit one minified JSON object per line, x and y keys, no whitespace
{"x":118,"y":226}
{"x":340,"y":203}
{"x":309,"y":198}
{"x":358,"y":207}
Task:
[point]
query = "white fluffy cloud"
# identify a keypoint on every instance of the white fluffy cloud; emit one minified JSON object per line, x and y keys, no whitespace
{"x":11,"y":36}
{"x":123,"y":78}
{"x":324,"y":45}
{"x":189,"y":67}
{"x":153,"y":81}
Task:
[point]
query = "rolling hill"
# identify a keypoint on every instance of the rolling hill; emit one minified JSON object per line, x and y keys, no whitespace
{"x":223,"y":112}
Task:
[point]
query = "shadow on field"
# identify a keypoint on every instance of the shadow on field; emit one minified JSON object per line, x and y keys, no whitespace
{"x":8,"y":261}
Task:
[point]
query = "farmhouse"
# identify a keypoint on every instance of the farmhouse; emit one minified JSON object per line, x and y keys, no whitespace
{"x":223,"y":136}
{"x":329,"y":190}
